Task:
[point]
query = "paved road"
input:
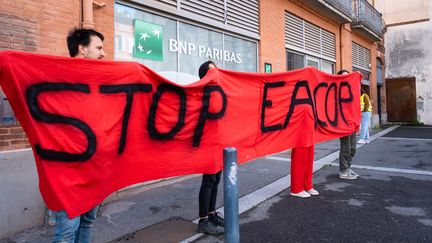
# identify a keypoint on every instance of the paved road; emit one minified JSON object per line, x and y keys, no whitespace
{"x":390,"y":202}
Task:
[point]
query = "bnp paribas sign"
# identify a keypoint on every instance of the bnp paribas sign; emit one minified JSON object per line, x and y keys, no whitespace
{"x":148,"y":40}
{"x":149,"y":45}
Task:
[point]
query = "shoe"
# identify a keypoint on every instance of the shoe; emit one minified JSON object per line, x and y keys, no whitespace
{"x":347,"y":175}
{"x":207,"y":227}
{"x":361,"y":141}
{"x":313,"y":192}
{"x":217,"y":219}
{"x":367,"y":141}
{"x":353,"y":173}
{"x":301,"y":194}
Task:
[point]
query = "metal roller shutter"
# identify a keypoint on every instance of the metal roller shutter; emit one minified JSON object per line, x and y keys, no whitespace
{"x":294,"y":34}
{"x":212,"y":9}
{"x":300,"y":34}
{"x":328,"y":44}
{"x":361,"y":56}
{"x":170,"y":2}
{"x":243,"y":14}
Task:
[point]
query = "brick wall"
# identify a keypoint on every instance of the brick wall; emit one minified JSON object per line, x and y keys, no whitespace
{"x":41,"y":26}
{"x":272,"y":32}
{"x":12,"y":137}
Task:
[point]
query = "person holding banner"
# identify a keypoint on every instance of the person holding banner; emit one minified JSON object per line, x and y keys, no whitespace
{"x":210,"y":222}
{"x":347,"y":151}
{"x":366,"y":109}
{"x":82,"y":43}
{"x":301,"y":172}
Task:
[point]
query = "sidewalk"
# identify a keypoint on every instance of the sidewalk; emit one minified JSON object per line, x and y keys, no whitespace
{"x":164,"y":213}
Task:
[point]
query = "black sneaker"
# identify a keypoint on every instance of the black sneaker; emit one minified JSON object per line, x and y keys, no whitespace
{"x":207,"y":227}
{"x":217,"y":219}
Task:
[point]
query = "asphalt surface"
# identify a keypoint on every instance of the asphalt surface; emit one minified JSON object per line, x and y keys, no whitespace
{"x":390,"y":202}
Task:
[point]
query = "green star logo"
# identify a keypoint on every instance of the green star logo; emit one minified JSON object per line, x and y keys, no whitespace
{"x":148,"y":40}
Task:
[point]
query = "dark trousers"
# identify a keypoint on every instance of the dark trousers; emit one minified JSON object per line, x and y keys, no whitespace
{"x":347,"y":151}
{"x":208,"y":193}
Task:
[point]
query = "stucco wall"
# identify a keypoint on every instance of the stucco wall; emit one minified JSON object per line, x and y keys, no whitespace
{"x":408,"y":54}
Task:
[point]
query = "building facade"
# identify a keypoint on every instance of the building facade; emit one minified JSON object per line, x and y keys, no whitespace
{"x":173,"y":37}
{"x":409,"y":67}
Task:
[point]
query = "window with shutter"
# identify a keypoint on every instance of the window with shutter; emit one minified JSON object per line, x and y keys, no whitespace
{"x":243,"y":14}
{"x":361,"y":57}
{"x":304,"y":36}
{"x":212,"y":9}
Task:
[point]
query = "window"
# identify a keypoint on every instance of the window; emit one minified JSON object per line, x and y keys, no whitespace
{"x":298,"y":60}
{"x":327,"y":67}
{"x":294,"y":61}
{"x":184,"y":46}
{"x":313,"y":62}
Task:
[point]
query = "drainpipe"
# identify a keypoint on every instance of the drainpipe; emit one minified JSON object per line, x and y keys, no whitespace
{"x":87,"y":13}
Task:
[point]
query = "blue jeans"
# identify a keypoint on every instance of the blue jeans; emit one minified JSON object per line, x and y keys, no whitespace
{"x":364,"y":126}
{"x":76,"y":230}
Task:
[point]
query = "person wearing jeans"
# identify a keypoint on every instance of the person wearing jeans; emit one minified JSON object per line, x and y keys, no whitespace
{"x":77,"y":230}
{"x":347,"y":151}
{"x":366,"y":109}
{"x":82,"y":43}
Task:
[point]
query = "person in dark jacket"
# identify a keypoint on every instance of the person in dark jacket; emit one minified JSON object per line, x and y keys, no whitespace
{"x":210,"y":222}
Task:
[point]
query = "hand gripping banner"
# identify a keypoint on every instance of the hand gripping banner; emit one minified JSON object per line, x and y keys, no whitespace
{"x":98,"y":126}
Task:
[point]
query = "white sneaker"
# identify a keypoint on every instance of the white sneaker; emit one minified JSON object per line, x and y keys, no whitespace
{"x":313,"y":192}
{"x":367,"y":141}
{"x":353,"y":173}
{"x":361,"y":141}
{"x":347,"y":175}
{"x":301,"y":194}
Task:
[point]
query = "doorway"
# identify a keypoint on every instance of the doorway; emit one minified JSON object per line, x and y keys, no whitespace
{"x":401,"y":99}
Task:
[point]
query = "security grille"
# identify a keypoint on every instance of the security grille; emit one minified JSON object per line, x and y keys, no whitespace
{"x":302,"y":35}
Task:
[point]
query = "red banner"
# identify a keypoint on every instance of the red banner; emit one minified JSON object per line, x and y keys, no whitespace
{"x":98,"y":126}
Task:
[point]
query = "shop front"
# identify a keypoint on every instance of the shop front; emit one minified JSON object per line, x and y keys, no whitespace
{"x":175,"y":48}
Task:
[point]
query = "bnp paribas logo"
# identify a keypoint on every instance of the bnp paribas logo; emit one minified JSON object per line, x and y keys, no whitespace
{"x":148,"y":40}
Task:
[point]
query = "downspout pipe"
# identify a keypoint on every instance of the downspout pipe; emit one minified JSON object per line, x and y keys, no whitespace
{"x":87,"y":14}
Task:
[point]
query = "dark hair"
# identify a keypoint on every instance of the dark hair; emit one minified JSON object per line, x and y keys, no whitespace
{"x":342,"y":71}
{"x":203,"y":69}
{"x":78,"y":37}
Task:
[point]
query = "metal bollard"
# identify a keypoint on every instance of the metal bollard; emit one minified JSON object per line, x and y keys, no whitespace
{"x":231,"y":208}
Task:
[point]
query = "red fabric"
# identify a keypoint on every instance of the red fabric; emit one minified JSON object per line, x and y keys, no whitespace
{"x":301,"y":169}
{"x":91,"y":119}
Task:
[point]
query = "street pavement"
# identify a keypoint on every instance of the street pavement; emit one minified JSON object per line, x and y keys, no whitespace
{"x":390,"y":202}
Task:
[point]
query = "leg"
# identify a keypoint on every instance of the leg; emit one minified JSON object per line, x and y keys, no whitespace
{"x":309,"y":151}
{"x":353,"y":145}
{"x":207,"y":184}
{"x":344,"y":153}
{"x":66,"y":228}
{"x":207,"y":200}
{"x":363,"y":125}
{"x":214,"y":190}
{"x":298,"y":169}
{"x":369,"y":116}
{"x":83,"y":234}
